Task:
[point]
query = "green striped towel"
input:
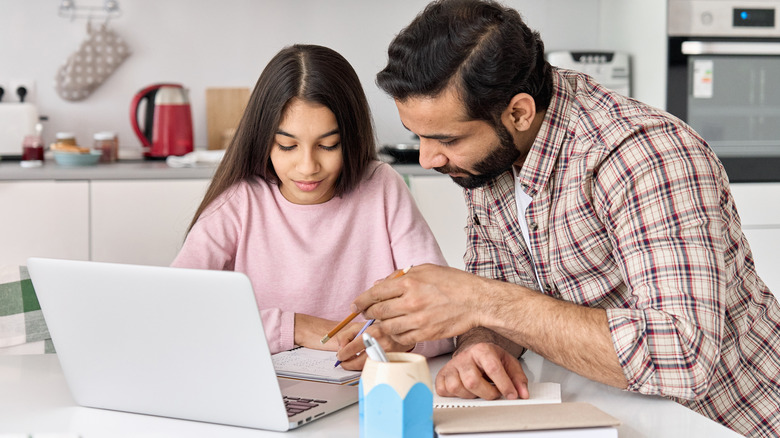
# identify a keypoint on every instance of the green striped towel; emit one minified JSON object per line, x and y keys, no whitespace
{"x":22,"y":328}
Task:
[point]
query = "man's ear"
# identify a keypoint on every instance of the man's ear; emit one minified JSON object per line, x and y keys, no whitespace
{"x":520,"y":112}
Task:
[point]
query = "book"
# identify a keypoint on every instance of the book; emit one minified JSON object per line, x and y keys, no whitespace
{"x":588,"y":432}
{"x":542,"y":420}
{"x":309,"y":364}
{"x":539,"y":392}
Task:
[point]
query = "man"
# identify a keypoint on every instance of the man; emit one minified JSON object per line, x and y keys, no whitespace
{"x":601,"y":233}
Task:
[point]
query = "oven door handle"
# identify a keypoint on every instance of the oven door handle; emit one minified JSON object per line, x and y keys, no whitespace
{"x":729,"y":48}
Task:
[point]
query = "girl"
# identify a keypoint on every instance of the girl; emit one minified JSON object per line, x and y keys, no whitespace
{"x":300,"y":204}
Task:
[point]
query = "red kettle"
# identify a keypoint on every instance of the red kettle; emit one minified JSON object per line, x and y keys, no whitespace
{"x":167,"y":128}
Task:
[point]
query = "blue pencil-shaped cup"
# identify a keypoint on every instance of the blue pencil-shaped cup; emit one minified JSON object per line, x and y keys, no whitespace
{"x":396,"y":398}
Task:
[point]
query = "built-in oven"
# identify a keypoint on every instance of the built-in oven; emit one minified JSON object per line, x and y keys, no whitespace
{"x":724,"y":80}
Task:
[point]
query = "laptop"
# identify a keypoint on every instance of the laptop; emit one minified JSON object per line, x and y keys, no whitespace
{"x":171,"y":342}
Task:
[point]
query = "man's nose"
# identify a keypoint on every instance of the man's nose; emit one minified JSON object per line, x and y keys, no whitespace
{"x":431,"y":155}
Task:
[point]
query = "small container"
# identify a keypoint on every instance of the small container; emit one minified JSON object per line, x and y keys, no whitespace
{"x":107,"y":143}
{"x":66,"y":138}
{"x":396,"y":398}
{"x":32,"y":151}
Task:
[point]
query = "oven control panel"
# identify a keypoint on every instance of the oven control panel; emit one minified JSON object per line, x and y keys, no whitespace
{"x":719,"y":18}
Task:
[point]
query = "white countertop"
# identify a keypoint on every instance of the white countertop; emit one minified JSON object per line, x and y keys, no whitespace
{"x":34,"y":398}
{"x":132,"y":169}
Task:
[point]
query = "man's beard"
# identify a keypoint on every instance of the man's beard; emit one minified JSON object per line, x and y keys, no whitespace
{"x":497,"y":162}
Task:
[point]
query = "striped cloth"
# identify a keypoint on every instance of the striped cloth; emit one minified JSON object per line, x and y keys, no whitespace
{"x":632,"y":213}
{"x":22,"y":328}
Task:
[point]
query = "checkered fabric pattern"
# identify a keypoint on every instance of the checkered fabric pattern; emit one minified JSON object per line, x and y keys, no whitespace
{"x":22,"y":328}
{"x":632,"y":213}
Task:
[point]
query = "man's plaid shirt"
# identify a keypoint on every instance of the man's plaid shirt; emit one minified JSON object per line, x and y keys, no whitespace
{"x":632,"y":213}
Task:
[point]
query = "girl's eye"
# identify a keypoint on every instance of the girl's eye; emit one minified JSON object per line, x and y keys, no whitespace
{"x":330,"y":148}
{"x":286,"y":148}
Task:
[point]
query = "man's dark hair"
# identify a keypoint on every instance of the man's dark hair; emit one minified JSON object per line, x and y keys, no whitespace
{"x":482,"y":48}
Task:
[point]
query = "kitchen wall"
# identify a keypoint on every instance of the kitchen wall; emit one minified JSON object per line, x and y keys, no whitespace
{"x":639,"y":28}
{"x":227,"y":43}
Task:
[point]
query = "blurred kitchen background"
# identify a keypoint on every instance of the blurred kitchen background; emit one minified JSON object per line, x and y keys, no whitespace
{"x":226,"y":43}
{"x":137,"y":211}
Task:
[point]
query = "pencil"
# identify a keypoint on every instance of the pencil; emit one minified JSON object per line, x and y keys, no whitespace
{"x":352,"y":316}
{"x":341,"y":325}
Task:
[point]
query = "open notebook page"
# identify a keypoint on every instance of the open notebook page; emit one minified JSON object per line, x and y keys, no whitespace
{"x":308,"y":364}
{"x":539,"y":392}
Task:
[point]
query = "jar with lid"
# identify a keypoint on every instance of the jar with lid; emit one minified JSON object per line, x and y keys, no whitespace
{"x":32,"y":151}
{"x":66,"y":138}
{"x":106,"y":142}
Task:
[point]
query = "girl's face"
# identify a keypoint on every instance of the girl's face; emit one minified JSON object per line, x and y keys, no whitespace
{"x":306,"y":153}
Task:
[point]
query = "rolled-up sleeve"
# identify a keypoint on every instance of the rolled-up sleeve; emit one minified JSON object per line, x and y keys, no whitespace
{"x":660,"y":200}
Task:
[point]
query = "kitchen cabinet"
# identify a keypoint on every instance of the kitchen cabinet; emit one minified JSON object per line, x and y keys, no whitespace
{"x":759,"y":210}
{"x":142,"y":221}
{"x":139,"y":212}
{"x":442,"y":205}
{"x":44,"y":219}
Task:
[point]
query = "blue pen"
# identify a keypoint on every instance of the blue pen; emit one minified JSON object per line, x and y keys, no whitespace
{"x":365,"y":326}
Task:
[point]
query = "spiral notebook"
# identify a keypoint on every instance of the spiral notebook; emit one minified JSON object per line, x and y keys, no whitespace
{"x":309,"y":364}
{"x":540,"y":392}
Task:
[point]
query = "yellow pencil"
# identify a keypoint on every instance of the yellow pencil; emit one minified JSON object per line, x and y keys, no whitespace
{"x":352,"y":316}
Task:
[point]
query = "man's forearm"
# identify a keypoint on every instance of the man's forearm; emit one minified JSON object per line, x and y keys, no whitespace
{"x":573,"y":336}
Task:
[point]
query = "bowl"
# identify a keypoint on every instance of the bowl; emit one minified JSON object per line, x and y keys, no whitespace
{"x":77,"y":159}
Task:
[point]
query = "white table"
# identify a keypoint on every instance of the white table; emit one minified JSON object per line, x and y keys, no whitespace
{"x":34,"y":398}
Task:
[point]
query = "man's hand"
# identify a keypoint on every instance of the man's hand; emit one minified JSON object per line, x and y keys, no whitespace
{"x":351,"y":348}
{"x":482,"y":370}
{"x":430,"y":302}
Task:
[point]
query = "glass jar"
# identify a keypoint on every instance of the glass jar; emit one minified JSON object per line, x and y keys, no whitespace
{"x":106,"y":142}
{"x":32,"y":151}
{"x":66,"y":138}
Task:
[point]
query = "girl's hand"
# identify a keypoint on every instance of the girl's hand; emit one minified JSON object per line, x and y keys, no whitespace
{"x":309,"y":330}
{"x":351,"y":351}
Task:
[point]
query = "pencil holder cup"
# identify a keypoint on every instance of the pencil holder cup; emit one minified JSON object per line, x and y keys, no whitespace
{"x":396,"y":398}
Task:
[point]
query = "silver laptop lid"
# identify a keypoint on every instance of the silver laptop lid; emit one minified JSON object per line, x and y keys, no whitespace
{"x":180,"y":343}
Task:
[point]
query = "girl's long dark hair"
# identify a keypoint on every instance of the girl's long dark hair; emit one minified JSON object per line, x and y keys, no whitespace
{"x":311,"y":73}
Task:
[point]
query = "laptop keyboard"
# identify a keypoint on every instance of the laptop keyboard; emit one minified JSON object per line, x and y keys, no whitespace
{"x":296,"y":405}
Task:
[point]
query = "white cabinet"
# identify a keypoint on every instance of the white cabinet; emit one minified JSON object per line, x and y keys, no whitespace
{"x":142,"y":221}
{"x":759,"y":208}
{"x":441,"y":202}
{"x":43,"y":219}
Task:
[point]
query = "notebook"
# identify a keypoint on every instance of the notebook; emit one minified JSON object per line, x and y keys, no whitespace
{"x":539,"y":392}
{"x":553,"y":420}
{"x":171,"y":342}
{"x":310,"y":364}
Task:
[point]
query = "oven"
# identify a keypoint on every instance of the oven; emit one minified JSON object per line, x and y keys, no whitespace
{"x":724,"y":80}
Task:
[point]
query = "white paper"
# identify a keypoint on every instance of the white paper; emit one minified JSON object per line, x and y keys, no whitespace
{"x":309,"y":364}
{"x":539,"y":392}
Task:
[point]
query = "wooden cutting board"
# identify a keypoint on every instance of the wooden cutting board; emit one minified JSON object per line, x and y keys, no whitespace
{"x":224,"y":108}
